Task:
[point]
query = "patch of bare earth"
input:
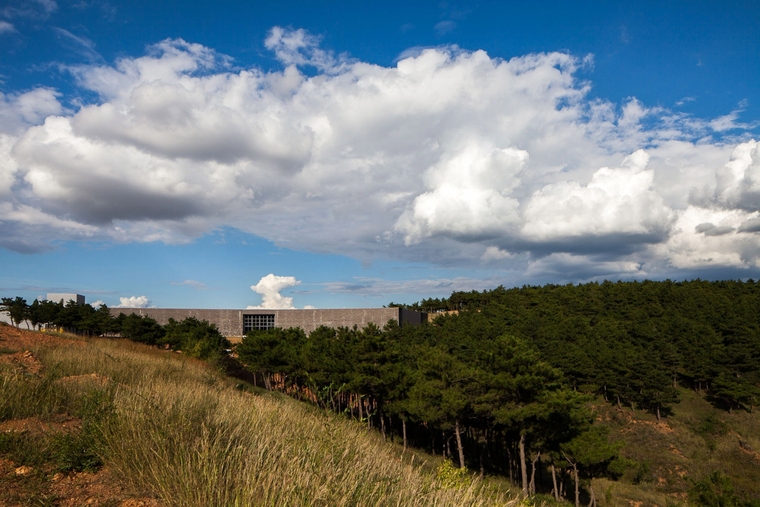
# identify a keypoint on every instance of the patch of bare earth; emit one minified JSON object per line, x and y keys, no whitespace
{"x":35,"y":426}
{"x":22,"y":339}
{"x":23,"y":362}
{"x":24,"y":485}
{"x":97,"y":489}
{"x":21,"y":485}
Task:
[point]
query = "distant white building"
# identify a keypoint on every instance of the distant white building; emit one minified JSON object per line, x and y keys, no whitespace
{"x":65,"y":298}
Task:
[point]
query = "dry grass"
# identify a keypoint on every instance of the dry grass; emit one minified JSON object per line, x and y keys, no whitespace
{"x":181,"y":431}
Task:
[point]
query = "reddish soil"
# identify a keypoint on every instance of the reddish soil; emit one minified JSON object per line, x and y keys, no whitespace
{"x":24,"y":485}
{"x":36,"y":427}
{"x":23,"y":362}
{"x":21,"y":339}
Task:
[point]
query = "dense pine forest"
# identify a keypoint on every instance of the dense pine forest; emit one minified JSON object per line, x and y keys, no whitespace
{"x":502,"y":381}
{"x":510,"y":381}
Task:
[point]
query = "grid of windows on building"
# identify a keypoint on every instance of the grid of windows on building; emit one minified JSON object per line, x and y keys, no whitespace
{"x":258,"y":322}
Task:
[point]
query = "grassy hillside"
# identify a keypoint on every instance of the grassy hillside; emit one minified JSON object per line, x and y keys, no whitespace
{"x":176,"y":431}
{"x":690,"y":445}
{"x":113,"y":421}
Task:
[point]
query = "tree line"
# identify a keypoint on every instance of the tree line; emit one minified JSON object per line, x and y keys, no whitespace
{"x":196,"y":338}
{"x":634,"y":342}
{"x":456,"y":387}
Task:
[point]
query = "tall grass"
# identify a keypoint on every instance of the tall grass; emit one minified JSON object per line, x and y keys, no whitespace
{"x":181,"y":431}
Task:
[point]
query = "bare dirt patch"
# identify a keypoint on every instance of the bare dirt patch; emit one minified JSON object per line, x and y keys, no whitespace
{"x":96,"y":489}
{"x":35,"y":426}
{"x":20,"y":486}
{"x":23,"y":362}
{"x":21,"y":339}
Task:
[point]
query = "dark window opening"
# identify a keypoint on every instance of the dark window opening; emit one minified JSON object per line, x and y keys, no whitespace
{"x":258,"y":322}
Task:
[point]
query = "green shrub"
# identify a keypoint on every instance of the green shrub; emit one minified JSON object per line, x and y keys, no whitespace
{"x":196,"y":338}
{"x":716,"y":490}
{"x":24,"y":448}
{"x":452,"y":477}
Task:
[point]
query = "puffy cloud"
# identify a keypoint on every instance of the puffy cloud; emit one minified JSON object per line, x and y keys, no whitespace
{"x":616,"y":203}
{"x":270,"y":287}
{"x":713,"y":237}
{"x":298,"y":47}
{"x":8,"y":165}
{"x":448,"y":156}
{"x":133,"y":302}
{"x":22,"y":110}
{"x":494,"y":253}
{"x":738,"y":183}
{"x":470,"y":196}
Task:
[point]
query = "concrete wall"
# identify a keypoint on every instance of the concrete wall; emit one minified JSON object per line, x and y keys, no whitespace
{"x":230,"y":322}
{"x":309,"y":320}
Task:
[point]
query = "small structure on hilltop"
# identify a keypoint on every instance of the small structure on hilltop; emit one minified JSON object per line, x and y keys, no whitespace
{"x":65,"y":297}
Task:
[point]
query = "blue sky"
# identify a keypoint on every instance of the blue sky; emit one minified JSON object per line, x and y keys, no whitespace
{"x":176,"y":153}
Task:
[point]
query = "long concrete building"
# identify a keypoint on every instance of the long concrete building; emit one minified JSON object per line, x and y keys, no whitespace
{"x":236,"y":323}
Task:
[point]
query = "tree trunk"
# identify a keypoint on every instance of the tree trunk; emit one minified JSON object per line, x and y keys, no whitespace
{"x":577,"y":492}
{"x":555,"y":490}
{"x":532,"y":487}
{"x":592,"y":500}
{"x":575,"y":479}
{"x":382,"y":425}
{"x":523,"y":466}
{"x":658,"y":414}
{"x":403,"y":428}
{"x":482,"y":452}
{"x":460,"y":449}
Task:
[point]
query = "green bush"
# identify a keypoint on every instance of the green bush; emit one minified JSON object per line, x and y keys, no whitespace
{"x":716,"y":490}
{"x":196,"y":338}
{"x":452,"y":477}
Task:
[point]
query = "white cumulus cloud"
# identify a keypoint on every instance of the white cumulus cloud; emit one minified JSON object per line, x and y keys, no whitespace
{"x":448,"y":156}
{"x":133,"y":302}
{"x":270,"y":287}
{"x":616,"y":202}
{"x":739,"y":180}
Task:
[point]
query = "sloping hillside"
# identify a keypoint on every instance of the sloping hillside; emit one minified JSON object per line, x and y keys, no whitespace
{"x":696,"y":441}
{"x":109,"y":422}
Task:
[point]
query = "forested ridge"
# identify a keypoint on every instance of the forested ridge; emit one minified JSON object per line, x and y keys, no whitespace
{"x":635,"y":341}
{"x":502,"y":380}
